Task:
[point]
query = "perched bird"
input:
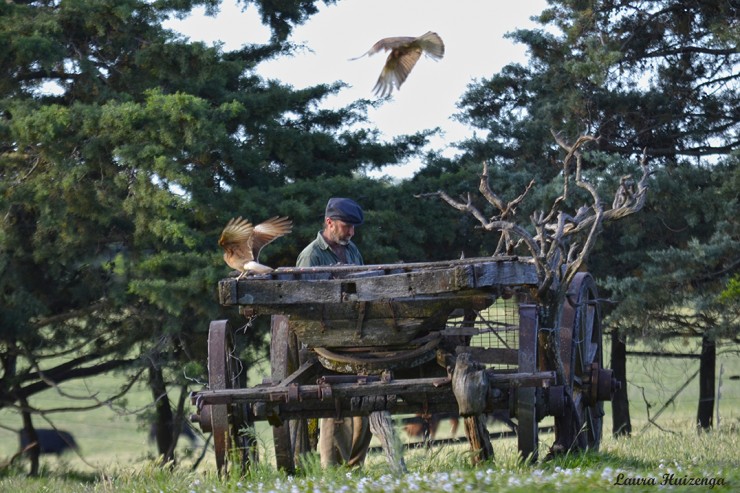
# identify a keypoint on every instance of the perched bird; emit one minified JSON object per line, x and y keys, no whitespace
{"x":405,"y":51}
{"x":625,"y":194}
{"x":243,"y":242}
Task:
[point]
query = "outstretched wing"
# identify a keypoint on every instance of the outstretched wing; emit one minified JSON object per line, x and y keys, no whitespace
{"x":386,"y":44}
{"x":397,"y":67}
{"x":236,"y":238}
{"x":267,"y":231}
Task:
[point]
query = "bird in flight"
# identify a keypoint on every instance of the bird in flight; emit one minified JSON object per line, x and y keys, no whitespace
{"x":405,"y":51}
{"x":243,"y":242}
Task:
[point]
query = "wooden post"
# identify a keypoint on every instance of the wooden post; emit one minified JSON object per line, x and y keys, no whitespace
{"x":470,"y":385}
{"x":705,"y":411}
{"x":621,"y":422}
{"x":527,"y":431}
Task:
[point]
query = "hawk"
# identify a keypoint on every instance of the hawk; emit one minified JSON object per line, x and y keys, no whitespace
{"x":243,"y":242}
{"x":405,"y":51}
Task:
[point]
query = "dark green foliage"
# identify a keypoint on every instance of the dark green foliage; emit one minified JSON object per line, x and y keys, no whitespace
{"x":124,"y":150}
{"x":659,"y":77}
{"x":682,"y":289}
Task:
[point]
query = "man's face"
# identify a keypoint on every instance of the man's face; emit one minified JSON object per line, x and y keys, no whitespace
{"x":339,"y":231}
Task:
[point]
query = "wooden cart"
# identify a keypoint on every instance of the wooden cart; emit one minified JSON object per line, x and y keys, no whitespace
{"x":434,"y":337}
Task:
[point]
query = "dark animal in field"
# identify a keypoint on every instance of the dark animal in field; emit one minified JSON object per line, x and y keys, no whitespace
{"x":426,"y":425}
{"x":186,"y":432}
{"x":50,"y":441}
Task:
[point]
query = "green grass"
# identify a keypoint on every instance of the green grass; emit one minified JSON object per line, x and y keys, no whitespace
{"x":117,"y":457}
{"x":652,"y":456}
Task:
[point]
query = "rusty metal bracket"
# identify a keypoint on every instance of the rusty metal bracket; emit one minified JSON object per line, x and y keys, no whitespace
{"x":601,"y":384}
{"x":292,"y":394}
{"x":324,"y":391}
{"x":197,"y":399}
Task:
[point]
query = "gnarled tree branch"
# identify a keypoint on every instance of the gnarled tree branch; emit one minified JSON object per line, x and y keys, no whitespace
{"x":561,"y":242}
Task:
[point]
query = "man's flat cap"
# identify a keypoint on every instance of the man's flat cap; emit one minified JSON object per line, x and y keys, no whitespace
{"x":346,"y":210}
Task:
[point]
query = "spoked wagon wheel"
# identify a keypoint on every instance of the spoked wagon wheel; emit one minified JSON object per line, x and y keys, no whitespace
{"x":226,"y":372}
{"x":291,"y":438}
{"x":581,"y":353}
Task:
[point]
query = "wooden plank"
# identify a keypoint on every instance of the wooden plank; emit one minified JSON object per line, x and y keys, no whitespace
{"x":526,"y":406}
{"x":268,"y":291}
{"x":337,"y":271}
{"x":501,"y":356}
{"x":291,"y":286}
{"x":505,"y":274}
{"x":422,"y":306}
{"x":344,"y":333}
{"x":227,"y":292}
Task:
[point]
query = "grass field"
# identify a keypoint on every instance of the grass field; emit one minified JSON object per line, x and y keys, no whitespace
{"x":116,"y":456}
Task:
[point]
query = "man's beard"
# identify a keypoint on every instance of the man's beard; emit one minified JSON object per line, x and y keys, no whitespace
{"x":334,"y":237}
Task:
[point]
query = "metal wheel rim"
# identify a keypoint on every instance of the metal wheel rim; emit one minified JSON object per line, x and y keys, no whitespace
{"x":221,"y":375}
{"x":217,"y":381}
{"x":581,"y":323}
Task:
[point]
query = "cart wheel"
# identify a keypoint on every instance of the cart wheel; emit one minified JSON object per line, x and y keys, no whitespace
{"x":291,"y":439}
{"x":581,"y":354}
{"x":226,"y":372}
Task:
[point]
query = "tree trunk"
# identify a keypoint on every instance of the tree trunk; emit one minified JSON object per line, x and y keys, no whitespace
{"x":621,"y":423}
{"x":707,"y":364}
{"x":163,"y":415}
{"x":35,"y":451}
{"x":178,"y":421}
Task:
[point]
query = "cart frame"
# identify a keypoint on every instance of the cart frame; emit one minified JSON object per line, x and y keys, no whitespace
{"x":351,"y":340}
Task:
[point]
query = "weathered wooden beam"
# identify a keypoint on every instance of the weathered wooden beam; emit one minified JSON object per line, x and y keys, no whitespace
{"x":344,"y":391}
{"x":294,"y":286}
{"x":501,"y":356}
{"x":339,"y":270}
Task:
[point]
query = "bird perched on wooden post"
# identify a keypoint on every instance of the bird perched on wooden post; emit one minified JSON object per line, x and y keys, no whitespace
{"x":243,"y":242}
{"x":405,"y":51}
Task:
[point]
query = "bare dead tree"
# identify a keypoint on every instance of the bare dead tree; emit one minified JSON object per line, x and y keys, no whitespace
{"x":561,"y":242}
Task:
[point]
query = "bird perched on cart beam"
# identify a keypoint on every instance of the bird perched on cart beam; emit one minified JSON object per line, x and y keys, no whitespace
{"x":242,"y":242}
{"x":405,"y":51}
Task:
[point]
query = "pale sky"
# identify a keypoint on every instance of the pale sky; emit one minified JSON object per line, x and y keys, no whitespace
{"x":475,"y":48}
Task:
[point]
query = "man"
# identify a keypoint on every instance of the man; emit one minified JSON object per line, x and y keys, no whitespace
{"x":333,"y":245}
{"x":344,"y":441}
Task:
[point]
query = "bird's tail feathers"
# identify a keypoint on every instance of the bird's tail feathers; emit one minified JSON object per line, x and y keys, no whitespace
{"x":432,"y":45}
